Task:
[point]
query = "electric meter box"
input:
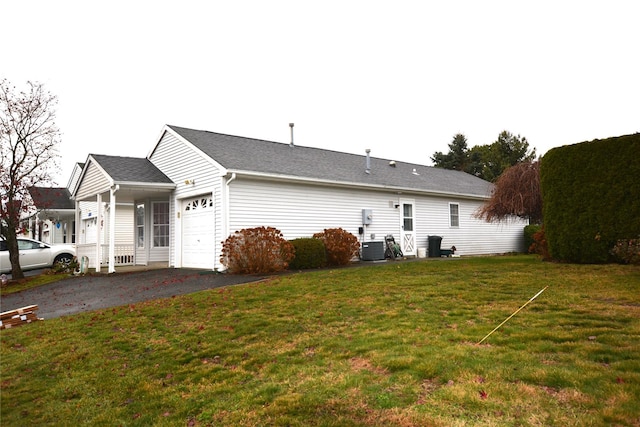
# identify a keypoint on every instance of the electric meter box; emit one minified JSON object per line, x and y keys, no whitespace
{"x":367,"y":216}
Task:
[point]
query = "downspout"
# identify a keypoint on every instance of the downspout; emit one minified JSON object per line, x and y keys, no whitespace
{"x":225,"y":228}
{"x":226,"y":205}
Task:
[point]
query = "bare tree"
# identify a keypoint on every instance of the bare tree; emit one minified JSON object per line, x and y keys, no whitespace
{"x":516,"y":193}
{"x":28,"y":155}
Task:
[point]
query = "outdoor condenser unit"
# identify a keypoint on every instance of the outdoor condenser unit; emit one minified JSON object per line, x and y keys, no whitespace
{"x":372,"y":251}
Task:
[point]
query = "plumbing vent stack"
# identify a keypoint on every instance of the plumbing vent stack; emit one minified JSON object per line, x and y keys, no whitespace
{"x":291,"y":126}
{"x":368,"y":170}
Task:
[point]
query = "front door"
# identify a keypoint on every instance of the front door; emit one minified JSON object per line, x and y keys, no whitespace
{"x":407,"y":227}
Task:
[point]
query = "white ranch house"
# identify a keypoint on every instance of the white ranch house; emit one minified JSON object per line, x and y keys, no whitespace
{"x":195,"y":188}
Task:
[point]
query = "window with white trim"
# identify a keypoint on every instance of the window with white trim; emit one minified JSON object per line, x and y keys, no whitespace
{"x":454,"y":215}
{"x":140,"y":225}
{"x":160,"y":224}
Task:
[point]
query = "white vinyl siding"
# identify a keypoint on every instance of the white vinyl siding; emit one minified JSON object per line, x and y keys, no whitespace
{"x":124,"y":224}
{"x":94,"y":182}
{"x":302,"y":210}
{"x":87,"y":209}
{"x":194,"y":174}
{"x":473,"y":236}
{"x":75,"y":177}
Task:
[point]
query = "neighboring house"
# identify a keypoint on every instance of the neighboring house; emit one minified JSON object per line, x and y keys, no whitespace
{"x":51,"y":217}
{"x":51,"y":220}
{"x":195,"y":188}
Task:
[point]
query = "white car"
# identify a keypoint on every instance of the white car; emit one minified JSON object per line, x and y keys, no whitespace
{"x":35,"y":254}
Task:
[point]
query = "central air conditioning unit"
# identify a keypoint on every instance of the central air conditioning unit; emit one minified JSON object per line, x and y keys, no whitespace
{"x":372,"y":251}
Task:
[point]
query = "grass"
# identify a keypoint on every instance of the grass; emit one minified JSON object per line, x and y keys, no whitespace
{"x":391,"y":344}
{"x":29,"y":282}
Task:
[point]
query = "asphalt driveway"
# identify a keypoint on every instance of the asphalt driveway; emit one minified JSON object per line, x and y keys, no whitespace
{"x":93,"y":292}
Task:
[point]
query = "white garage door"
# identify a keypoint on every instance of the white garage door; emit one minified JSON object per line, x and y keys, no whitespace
{"x":198,"y":243}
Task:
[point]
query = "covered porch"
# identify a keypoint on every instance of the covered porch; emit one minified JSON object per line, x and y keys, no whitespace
{"x":123,"y":254}
{"x":122,"y":213}
{"x":50,"y":220}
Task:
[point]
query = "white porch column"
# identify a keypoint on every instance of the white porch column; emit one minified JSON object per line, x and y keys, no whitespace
{"x":37,"y":236}
{"x":76,"y":231}
{"x":98,"y":231}
{"x":112,"y":229}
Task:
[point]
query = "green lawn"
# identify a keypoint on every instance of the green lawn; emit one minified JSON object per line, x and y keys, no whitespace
{"x":391,"y":344}
{"x":30,"y":282}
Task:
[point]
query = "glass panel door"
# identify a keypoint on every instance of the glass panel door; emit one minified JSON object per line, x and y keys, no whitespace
{"x":408,"y":237}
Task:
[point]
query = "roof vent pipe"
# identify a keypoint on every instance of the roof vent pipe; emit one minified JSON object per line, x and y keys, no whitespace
{"x":291,"y":126}
{"x":368,"y":170}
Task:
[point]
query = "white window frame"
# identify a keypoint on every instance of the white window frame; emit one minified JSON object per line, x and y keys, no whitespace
{"x":454,"y":219}
{"x":140,"y":223}
{"x":154,"y":224}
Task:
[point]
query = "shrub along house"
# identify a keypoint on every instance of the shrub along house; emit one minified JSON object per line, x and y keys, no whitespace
{"x":195,"y":188}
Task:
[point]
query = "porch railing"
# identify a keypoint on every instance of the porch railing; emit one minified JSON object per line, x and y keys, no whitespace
{"x":124,"y":254}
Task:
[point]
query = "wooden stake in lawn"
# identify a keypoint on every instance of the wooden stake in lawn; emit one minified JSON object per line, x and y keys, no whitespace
{"x":514,"y":313}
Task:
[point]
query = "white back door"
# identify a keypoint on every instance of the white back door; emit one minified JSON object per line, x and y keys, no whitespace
{"x":407,"y":226}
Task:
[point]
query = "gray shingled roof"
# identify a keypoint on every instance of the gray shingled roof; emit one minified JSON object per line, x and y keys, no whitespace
{"x":254,"y":155}
{"x":131,"y":169}
{"x":52,"y":198}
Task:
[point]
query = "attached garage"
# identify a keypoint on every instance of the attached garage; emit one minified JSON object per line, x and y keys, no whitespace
{"x":198,"y":238}
{"x":197,"y":187}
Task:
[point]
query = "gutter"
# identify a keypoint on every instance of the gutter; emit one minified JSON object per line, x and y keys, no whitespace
{"x":232,"y":178}
{"x":404,"y":190}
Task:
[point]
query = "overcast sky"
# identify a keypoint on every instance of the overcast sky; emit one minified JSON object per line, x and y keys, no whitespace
{"x":401,"y":78}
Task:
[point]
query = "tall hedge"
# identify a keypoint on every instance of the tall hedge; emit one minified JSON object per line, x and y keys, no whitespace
{"x":591,"y":197}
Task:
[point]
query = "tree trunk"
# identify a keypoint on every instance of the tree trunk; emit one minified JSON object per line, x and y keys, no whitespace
{"x":14,"y":253}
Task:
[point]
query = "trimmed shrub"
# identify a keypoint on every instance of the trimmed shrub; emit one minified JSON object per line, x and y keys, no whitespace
{"x":591,"y":197}
{"x":256,"y":251}
{"x":310,"y":253}
{"x":529,"y":231}
{"x":627,"y":251}
{"x":341,"y":245}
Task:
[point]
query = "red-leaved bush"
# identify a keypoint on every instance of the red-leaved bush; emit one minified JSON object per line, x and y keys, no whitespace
{"x":256,"y":251}
{"x":341,"y":245}
{"x":540,"y":246}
